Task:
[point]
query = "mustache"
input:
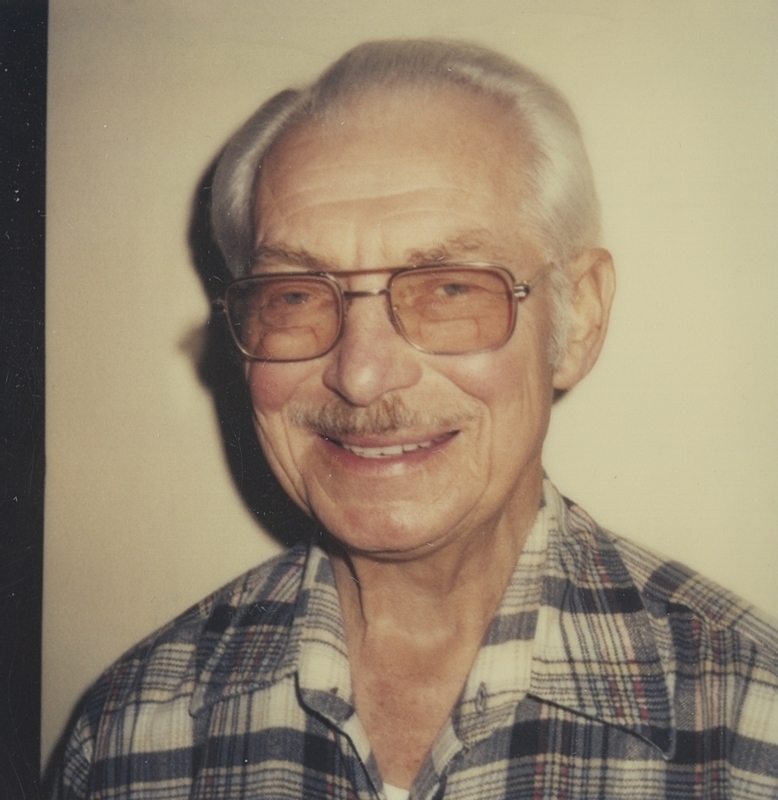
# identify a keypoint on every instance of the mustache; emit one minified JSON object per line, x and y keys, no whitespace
{"x":337,"y":418}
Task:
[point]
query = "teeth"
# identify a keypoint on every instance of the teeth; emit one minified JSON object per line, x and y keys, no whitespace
{"x":385,"y":452}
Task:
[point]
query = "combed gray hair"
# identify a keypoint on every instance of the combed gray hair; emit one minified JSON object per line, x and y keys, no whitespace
{"x":562,"y":212}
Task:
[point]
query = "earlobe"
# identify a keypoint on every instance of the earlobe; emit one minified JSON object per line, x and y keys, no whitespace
{"x":593,"y":284}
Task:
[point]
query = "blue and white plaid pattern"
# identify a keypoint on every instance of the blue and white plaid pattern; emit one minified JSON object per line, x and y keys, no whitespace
{"x":606,"y":673}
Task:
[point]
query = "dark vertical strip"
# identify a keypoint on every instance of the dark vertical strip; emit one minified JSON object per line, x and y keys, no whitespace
{"x":23,"y":39}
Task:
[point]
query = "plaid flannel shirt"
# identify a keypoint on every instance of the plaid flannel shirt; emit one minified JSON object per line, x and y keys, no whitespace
{"x":606,"y":673}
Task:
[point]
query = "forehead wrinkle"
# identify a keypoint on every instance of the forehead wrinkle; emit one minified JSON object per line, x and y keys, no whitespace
{"x":450,"y":249}
{"x":359,"y":194}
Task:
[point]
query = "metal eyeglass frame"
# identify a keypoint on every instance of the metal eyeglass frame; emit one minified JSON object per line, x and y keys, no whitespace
{"x":519,"y":289}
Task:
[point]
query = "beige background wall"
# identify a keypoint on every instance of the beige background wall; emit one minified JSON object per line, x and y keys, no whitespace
{"x":672,"y":440}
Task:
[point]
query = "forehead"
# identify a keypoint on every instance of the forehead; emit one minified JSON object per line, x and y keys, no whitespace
{"x":442,"y":155}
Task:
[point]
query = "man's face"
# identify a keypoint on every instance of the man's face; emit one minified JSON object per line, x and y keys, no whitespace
{"x":397,"y":178}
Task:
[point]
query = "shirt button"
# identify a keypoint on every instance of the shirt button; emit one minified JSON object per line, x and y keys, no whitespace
{"x":480,"y":699}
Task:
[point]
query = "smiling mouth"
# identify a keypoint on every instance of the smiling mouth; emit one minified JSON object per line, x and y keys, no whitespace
{"x":391,"y":451}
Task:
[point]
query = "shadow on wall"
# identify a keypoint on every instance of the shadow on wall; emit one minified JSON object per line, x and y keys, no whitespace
{"x":220,"y":369}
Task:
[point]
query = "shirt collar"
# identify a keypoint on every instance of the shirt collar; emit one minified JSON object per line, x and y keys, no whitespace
{"x":247,"y":642}
{"x":596,"y":650}
{"x":502,"y":671}
{"x":255,"y":639}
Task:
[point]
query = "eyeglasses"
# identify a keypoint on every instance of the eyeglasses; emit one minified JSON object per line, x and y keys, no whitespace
{"x":445,"y":309}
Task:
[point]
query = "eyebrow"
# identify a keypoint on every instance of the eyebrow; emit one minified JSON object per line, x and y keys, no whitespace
{"x":292,"y":256}
{"x":453,"y":249}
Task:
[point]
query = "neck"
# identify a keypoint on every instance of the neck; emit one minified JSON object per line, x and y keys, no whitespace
{"x":414,"y":623}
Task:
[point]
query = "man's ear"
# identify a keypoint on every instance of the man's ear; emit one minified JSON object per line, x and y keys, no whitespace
{"x":593,"y":283}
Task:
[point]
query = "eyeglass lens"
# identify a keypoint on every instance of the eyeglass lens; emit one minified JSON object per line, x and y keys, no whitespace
{"x":452,"y":310}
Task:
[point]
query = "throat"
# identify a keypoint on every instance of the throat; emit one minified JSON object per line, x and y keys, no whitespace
{"x":404,"y":695}
{"x":410,"y":656}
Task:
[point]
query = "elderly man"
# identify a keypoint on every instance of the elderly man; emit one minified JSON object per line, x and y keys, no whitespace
{"x":414,"y":239}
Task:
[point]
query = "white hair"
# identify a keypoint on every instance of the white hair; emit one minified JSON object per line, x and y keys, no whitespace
{"x":561,"y":212}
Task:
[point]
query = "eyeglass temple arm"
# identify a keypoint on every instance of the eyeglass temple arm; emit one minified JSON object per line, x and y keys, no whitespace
{"x":522,"y":290}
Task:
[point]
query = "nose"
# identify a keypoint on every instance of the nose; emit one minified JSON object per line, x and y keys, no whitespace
{"x":371,"y":359}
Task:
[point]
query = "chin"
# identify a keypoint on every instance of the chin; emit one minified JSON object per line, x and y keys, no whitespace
{"x":382,"y":537}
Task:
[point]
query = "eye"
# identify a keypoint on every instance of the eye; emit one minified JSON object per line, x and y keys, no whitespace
{"x":454,"y":289}
{"x":293,"y":298}
{"x":288,"y":293}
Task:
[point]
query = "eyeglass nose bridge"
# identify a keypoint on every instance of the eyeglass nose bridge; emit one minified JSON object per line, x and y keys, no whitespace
{"x":352,"y":295}
{"x":348,"y":295}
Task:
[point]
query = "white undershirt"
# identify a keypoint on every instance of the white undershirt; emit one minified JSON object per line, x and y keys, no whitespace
{"x":393,"y":793}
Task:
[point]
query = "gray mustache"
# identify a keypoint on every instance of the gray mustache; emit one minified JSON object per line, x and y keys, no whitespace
{"x":337,"y":419}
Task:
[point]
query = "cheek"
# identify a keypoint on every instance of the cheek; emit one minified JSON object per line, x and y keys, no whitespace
{"x":516,"y":389}
{"x":272,"y":385}
{"x":517,"y":379}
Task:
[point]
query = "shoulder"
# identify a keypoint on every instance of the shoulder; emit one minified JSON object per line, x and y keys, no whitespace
{"x":152,"y":686}
{"x":683,"y":592}
{"x":719,"y":653}
{"x":664,"y":586}
{"x":167,"y":663}
{"x":704,"y":635}
{"x":723,"y":654}
{"x":261,"y":590}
